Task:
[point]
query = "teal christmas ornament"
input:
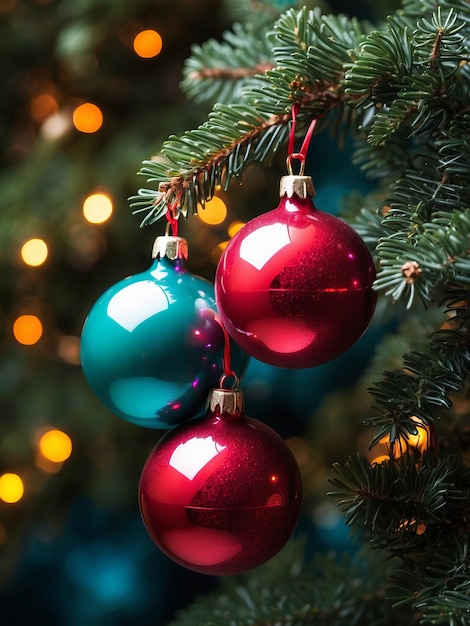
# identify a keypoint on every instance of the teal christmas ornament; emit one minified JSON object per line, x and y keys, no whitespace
{"x":152,"y":346}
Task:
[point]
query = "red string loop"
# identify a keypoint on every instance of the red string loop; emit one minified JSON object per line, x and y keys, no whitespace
{"x":227,"y":356}
{"x":172,"y":214}
{"x":308,"y":136}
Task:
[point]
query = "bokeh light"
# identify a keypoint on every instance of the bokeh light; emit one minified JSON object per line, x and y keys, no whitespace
{"x":214,"y":212}
{"x":217,"y":251}
{"x":234,"y":227}
{"x":97,"y":207}
{"x":55,"y":446}
{"x":34,"y":252}
{"x":11,"y":488}
{"x":148,"y":44}
{"x":27,"y":329}
{"x":87,"y":118}
{"x":43,"y":106}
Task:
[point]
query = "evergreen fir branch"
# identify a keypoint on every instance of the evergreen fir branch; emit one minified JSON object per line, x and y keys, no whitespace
{"x":393,"y":498}
{"x":331,"y":590}
{"x":382,"y":57}
{"x":191,"y":166}
{"x":413,"y":78}
{"x":436,"y":583}
{"x":217,"y":71}
{"x":439,"y":250}
{"x":422,"y":390}
{"x":194,"y":164}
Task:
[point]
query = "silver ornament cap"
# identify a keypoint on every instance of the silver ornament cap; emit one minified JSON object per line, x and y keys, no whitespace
{"x":170,"y":247}
{"x":226,"y":401}
{"x":301,"y":186}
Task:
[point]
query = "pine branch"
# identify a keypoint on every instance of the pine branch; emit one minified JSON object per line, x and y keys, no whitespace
{"x":310,"y":52}
{"x":391,"y":499}
{"x":437,"y":585}
{"x":217,"y":71}
{"x":332,"y":590}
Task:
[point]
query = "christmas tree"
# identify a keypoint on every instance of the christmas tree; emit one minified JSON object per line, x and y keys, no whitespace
{"x":392,"y":95}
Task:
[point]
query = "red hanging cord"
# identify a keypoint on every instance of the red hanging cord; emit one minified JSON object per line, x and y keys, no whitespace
{"x":302,"y":154}
{"x":227,"y":356}
{"x":172,"y":214}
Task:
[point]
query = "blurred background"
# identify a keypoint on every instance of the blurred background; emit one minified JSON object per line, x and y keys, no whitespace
{"x":90,"y":88}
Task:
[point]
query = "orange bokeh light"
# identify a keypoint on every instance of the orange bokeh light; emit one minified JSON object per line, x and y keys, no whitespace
{"x":148,"y":44}
{"x":27,"y":329}
{"x":42,"y":106}
{"x":87,"y":118}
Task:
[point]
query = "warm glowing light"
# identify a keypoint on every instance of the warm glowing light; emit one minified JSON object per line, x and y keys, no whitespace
{"x":27,"y":329}
{"x":380,"y":459}
{"x":217,"y":251}
{"x":42,"y":106}
{"x":56,"y":125}
{"x":417,"y":441}
{"x":11,"y":488}
{"x":55,"y":446}
{"x":234,"y":227}
{"x":68,"y":349}
{"x":97,"y":208}
{"x":34,"y":252}
{"x":214,"y":211}
{"x":147,"y":44}
{"x":87,"y":118}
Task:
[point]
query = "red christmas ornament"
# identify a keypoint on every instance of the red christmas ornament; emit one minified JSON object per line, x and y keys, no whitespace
{"x":221,"y":494}
{"x":294,"y":286}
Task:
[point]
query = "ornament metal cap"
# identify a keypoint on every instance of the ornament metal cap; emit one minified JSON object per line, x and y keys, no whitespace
{"x":302,"y":186}
{"x":171,"y":247}
{"x":226,"y":401}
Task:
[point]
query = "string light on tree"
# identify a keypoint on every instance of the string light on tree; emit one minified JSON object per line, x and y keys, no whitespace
{"x":97,"y":207}
{"x":11,"y":488}
{"x":27,"y":329}
{"x":87,"y":118}
{"x":34,"y":252}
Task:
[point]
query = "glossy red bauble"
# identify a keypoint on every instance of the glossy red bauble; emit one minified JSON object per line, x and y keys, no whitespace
{"x":294,"y":286}
{"x":221,"y":494}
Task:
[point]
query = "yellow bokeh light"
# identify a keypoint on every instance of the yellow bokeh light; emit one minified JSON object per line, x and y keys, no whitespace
{"x":11,"y":488}
{"x":214,"y":211}
{"x":34,"y":252}
{"x":27,"y":329}
{"x":87,"y":118}
{"x":55,"y":445}
{"x":97,"y":208}
{"x":234,"y":227}
{"x":217,"y":251}
{"x":148,"y":44}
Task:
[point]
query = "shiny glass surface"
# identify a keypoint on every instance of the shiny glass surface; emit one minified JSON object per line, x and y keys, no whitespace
{"x":151,"y":350}
{"x":221,"y":494}
{"x":294,"y":286}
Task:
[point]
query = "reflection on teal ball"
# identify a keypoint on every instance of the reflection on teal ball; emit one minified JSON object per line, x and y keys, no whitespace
{"x":151,"y":349}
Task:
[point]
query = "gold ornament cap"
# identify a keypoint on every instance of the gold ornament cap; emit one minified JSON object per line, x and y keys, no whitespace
{"x":226,"y":401}
{"x":301,"y":186}
{"x":170,"y":247}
